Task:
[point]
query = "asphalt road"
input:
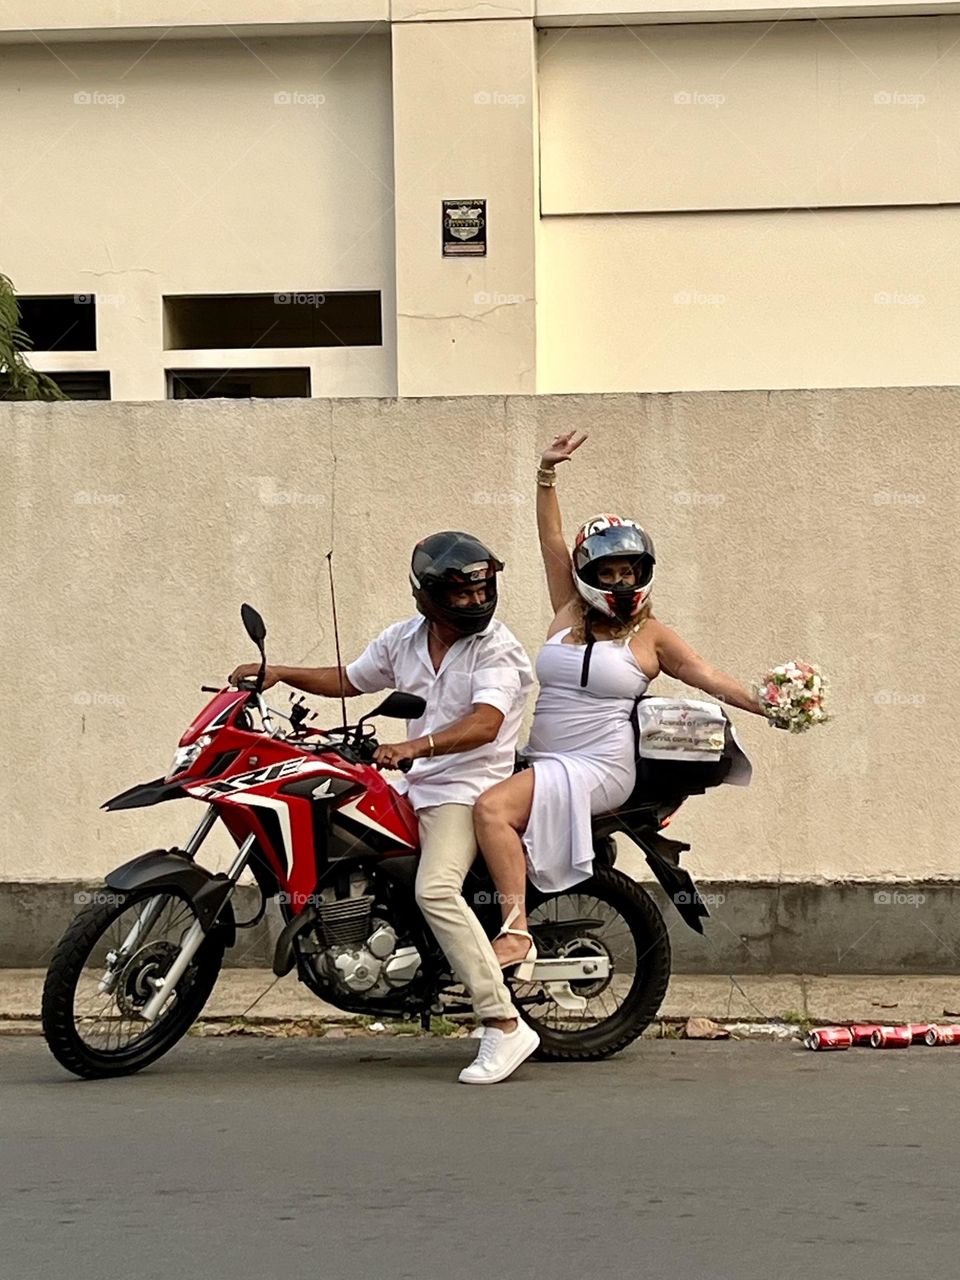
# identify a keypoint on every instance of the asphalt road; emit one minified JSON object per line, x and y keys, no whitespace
{"x":359,"y":1159}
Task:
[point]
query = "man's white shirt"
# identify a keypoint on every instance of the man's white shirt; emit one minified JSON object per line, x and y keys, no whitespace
{"x":490,"y":667}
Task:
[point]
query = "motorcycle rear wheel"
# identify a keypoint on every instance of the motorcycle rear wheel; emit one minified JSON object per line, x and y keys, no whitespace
{"x":70,"y":988}
{"x":612,"y":899}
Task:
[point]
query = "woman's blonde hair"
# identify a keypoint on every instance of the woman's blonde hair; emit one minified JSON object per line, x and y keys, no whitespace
{"x":618,"y":630}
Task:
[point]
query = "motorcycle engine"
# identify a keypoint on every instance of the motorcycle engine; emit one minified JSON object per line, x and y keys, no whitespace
{"x":359,"y":951}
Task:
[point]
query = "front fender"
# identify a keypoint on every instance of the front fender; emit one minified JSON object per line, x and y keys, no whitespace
{"x":145,"y":793}
{"x":161,"y":869}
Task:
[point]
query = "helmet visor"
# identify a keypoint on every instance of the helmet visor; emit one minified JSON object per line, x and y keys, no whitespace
{"x":470,"y":588}
{"x":623,"y":541}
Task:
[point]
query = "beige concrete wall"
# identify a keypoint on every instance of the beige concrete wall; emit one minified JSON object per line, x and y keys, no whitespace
{"x":200,"y":167}
{"x":730,"y":135}
{"x":749,"y":115}
{"x":628,"y":13}
{"x":815,"y":524}
{"x":776,"y":300}
{"x":20,"y":19}
{"x":199,"y":181}
{"x":111,"y":17}
{"x":465,"y":128}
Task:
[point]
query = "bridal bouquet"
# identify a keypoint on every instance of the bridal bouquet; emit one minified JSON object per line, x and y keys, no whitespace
{"x":791,"y":696}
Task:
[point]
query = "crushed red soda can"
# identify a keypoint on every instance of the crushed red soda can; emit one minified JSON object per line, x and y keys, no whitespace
{"x":862,"y":1031}
{"x":892,"y":1038}
{"x":918,"y":1032}
{"x":947,"y":1034}
{"x":829,"y":1038}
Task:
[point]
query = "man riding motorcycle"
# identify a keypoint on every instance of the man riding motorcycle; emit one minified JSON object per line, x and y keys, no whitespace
{"x":474,"y":676}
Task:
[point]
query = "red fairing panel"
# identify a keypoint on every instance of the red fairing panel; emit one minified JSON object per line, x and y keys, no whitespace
{"x":214,"y":715}
{"x":241,"y":823}
{"x":252,"y":794}
{"x":383,"y":810}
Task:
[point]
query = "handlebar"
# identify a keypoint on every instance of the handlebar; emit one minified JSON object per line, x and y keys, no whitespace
{"x":369,"y":744}
{"x":365,"y":753}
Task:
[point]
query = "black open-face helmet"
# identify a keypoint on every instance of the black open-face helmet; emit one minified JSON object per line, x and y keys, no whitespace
{"x":448,"y":560}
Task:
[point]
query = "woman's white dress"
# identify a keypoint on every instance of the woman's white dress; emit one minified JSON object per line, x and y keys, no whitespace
{"x":582,"y":751}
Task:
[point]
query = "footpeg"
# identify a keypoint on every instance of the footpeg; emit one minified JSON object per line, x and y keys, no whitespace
{"x":560,"y":994}
{"x":556,"y":976}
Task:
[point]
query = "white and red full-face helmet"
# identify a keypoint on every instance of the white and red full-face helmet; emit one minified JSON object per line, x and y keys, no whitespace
{"x":612,"y":537}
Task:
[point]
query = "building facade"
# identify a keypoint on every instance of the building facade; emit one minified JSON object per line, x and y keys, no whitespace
{"x":240,"y":198}
{"x":717,"y":236}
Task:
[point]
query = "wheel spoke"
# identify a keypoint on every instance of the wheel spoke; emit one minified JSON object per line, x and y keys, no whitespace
{"x":611,"y":935}
{"x":109,"y":1022}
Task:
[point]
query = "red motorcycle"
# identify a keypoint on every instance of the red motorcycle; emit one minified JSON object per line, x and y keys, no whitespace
{"x":325,"y":834}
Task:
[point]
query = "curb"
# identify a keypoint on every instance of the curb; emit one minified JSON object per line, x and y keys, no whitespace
{"x":350,"y":1027}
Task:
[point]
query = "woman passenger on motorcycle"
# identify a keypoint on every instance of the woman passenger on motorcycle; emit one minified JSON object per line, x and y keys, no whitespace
{"x":603,"y":648}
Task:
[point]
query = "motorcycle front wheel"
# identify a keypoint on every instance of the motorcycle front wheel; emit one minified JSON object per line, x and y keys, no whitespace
{"x":608,"y":916}
{"x":95,"y":987}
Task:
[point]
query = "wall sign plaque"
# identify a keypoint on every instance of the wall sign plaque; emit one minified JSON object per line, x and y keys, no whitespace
{"x":464,"y":228}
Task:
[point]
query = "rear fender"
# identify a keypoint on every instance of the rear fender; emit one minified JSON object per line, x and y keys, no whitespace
{"x":162,"y":869}
{"x":663,"y":858}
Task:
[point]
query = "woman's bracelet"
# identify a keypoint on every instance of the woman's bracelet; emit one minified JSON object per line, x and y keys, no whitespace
{"x":432,"y":744}
{"x":546,"y":477}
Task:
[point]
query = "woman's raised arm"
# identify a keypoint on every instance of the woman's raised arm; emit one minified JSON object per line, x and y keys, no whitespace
{"x":556,"y":556}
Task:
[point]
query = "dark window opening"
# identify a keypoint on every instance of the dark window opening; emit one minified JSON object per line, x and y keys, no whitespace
{"x":246,"y":321}
{"x":61,"y":322}
{"x":81,"y":385}
{"x":236,"y":384}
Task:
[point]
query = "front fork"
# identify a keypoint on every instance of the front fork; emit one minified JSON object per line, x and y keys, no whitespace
{"x":165,"y":986}
{"x":151,"y":909}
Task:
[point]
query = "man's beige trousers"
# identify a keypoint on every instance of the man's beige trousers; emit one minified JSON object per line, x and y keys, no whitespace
{"x":448,"y":847}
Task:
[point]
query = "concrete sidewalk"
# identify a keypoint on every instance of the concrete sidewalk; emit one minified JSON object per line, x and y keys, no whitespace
{"x":790,"y":997}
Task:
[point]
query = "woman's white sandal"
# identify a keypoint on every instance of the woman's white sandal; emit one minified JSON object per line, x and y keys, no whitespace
{"x":522,"y":970}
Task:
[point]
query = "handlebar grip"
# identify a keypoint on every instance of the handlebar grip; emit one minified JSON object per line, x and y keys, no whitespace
{"x":404,"y":765}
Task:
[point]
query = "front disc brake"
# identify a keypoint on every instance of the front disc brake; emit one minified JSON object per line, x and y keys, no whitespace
{"x":135,"y":983}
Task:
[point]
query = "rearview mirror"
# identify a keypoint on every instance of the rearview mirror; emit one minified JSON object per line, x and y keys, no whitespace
{"x":401,"y":706}
{"x":255,"y":626}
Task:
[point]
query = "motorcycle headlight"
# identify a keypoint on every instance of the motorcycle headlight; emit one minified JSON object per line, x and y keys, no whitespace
{"x":184,"y":757}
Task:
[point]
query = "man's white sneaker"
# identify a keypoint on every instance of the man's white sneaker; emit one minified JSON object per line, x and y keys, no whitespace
{"x":500,"y":1054}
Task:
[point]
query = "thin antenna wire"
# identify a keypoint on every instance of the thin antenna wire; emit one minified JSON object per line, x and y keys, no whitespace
{"x":336,"y":637}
